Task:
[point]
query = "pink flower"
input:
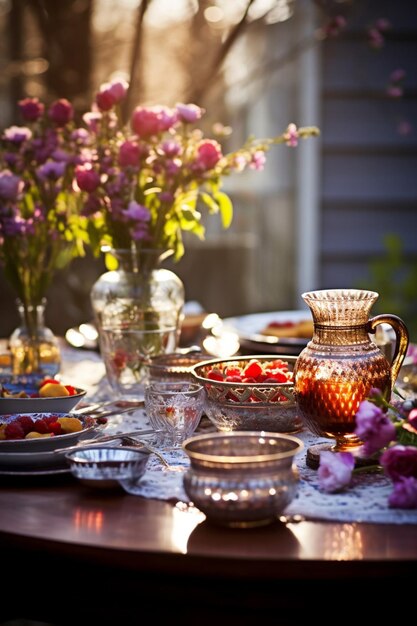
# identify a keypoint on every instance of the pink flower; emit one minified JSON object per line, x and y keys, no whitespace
{"x":87,"y":178}
{"x":412,"y":352}
{"x":129,"y":154}
{"x":152,"y":121}
{"x":394,"y":91}
{"x":61,"y":112}
{"x":400,"y":461}
{"x":31,"y":109}
{"x":374,"y":427}
{"x":209,"y":153}
{"x":404,"y":495}
{"x":258,"y":160}
{"x":335,"y":470}
{"x":412,"y":418}
{"x":118,"y":88}
{"x":105,"y":100}
{"x":189,"y":113}
{"x":291,"y":135}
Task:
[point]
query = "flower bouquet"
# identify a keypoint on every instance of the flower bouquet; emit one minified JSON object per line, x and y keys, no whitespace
{"x":145,"y":183}
{"x":41,"y":228}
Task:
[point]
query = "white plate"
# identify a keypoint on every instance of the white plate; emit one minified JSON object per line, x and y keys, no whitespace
{"x":35,"y":460}
{"x":29,"y":384}
{"x":44,"y":444}
{"x":249,"y":330}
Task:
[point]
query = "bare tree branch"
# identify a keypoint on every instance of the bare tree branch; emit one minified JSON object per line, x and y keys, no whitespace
{"x":135,"y":58}
{"x":197,"y":94}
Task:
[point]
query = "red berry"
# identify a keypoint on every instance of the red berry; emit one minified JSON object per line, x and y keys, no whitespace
{"x":14,"y":430}
{"x":40,"y":426}
{"x":26,"y":423}
{"x":253,"y":369}
{"x":71,"y":390}
{"x":48,"y":380}
{"x":215,"y":374}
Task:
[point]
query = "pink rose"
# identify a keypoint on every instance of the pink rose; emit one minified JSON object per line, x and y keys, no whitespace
{"x":373,"y":427}
{"x":118,"y":89}
{"x":105,"y":99}
{"x":152,"y":121}
{"x":399,"y":461}
{"x":129,"y":154}
{"x":87,"y":179}
{"x":404,"y":495}
{"x":31,"y":109}
{"x":61,"y":112}
{"x":209,"y":153}
{"x":335,"y":470}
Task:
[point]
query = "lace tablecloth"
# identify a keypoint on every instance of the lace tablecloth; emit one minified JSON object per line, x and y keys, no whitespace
{"x":366,"y":499}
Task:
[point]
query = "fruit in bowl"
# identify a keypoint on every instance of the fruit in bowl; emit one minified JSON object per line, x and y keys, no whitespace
{"x":34,"y":394}
{"x":250,"y":393}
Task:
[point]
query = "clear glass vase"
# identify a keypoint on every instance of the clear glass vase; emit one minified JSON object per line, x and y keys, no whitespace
{"x":341,"y":363}
{"x":138,"y":311}
{"x":33,"y":346}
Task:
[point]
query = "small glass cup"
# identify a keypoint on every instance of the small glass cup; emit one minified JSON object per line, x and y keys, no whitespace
{"x":174,"y":410}
{"x":127,"y":353}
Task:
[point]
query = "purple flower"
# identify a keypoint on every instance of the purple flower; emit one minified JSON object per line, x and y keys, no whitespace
{"x":335,"y":470}
{"x":373,"y":427}
{"x":10,"y":185}
{"x":399,"y":461}
{"x":137,"y":212}
{"x":51,"y":170}
{"x":404,"y":495}
{"x":171,"y":148}
{"x":189,"y":113}
{"x":118,"y":88}
{"x":17,"y":134}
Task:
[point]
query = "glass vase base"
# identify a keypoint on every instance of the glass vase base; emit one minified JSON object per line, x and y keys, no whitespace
{"x":314,"y":451}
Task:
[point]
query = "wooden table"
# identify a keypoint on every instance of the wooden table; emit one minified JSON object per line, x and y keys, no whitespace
{"x":73,"y":555}
{"x":118,"y":554}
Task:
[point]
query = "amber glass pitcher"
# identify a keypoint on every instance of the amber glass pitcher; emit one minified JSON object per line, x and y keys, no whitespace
{"x":339,"y":366}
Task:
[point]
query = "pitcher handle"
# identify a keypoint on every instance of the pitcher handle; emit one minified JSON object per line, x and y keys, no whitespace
{"x":401,"y":340}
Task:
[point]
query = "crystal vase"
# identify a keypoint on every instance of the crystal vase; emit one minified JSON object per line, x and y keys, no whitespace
{"x":138,"y":311}
{"x":341,"y":363}
{"x":33,"y":346}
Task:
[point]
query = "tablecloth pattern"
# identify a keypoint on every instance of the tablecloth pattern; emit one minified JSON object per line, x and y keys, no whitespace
{"x":366,"y":499}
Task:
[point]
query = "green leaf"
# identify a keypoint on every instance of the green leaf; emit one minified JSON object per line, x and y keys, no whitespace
{"x":209,"y":201}
{"x":226,"y":208}
{"x":110,"y":261}
{"x":406,"y":437}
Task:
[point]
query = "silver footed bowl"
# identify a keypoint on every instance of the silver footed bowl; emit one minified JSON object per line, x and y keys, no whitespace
{"x":242,"y":479}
